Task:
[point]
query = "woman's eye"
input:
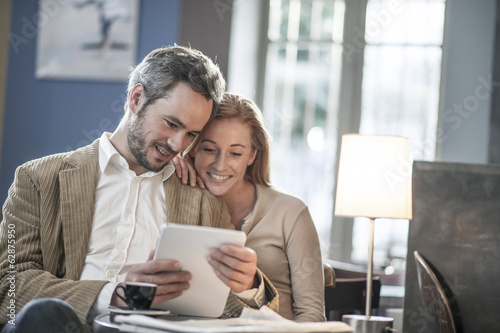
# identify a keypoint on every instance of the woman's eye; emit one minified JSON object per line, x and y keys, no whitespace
{"x":236,"y":154}
{"x":208,"y":150}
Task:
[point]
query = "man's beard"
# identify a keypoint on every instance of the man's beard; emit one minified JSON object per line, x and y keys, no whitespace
{"x":138,"y":146}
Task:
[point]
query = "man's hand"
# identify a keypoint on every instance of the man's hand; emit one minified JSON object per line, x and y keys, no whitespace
{"x":235,"y":266}
{"x":164,"y":273}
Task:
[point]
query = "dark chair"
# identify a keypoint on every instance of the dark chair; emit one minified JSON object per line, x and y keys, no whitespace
{"x":433,"y":296}
{"x":348,"y":295}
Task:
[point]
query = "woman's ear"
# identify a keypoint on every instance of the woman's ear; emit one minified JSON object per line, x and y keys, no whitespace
{"x":252,"y":157}
{"x":137,"y":96}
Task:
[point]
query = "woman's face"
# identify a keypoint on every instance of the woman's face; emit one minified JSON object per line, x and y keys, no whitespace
{"x":223,"y":155}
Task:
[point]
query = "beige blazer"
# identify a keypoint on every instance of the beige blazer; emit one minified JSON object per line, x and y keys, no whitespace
{"x":50,"y":207}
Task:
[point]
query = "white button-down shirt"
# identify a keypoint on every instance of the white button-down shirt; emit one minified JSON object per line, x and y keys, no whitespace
{"x":129,"y":211}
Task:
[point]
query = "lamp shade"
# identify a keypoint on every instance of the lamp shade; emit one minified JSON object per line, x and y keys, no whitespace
{"x":374,"y":177}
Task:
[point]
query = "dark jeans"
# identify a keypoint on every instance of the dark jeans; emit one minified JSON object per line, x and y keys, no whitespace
{"x":47,"y":315}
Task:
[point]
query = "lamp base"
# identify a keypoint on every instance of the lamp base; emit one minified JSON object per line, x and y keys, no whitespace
{"x":372,"y":324}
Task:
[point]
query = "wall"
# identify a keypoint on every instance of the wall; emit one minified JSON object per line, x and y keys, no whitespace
{"x":206,"y":26}
{"x":5,"y":10}
{"x":50,"y":116}
{"x":247,"y":48}
{"x":466,"y":81}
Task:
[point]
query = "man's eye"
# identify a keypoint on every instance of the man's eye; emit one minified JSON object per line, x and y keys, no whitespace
{"x":171,"y":124}
{"x":192,"y":135}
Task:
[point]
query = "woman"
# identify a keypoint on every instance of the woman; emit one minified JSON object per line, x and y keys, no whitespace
{"x":231,"y":159}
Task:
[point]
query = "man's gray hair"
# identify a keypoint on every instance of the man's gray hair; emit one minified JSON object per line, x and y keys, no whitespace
{"x":162,"y":69}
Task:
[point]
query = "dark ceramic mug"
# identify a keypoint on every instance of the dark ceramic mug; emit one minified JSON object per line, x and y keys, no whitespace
{"x":137,"y":295}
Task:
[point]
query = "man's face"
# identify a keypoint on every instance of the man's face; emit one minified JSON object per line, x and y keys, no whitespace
{"x":166,"y":127}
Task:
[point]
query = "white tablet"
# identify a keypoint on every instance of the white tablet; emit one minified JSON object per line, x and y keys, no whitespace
{"x":190,"y":245}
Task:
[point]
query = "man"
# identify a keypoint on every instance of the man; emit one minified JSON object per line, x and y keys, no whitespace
{"x":86,"y":220}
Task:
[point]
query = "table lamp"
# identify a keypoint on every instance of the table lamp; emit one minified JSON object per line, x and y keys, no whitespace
{"x":374,"y":181}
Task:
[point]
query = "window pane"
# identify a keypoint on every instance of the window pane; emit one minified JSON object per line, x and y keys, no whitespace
{"x":305,"y":20}
{"x":327,"y":10}
{"x":278,"y":19}
{"x":318,"y":20}
{"x":401,"y":95}
{"x":411,"y":22}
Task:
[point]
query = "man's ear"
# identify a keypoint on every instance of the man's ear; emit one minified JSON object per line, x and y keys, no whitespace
{"x":137,"y":97}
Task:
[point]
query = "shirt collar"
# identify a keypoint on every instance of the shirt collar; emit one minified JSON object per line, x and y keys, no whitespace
{"x":108,"y":155}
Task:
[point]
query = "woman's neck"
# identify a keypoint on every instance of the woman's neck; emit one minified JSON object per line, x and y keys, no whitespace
{"x":240,"y":202}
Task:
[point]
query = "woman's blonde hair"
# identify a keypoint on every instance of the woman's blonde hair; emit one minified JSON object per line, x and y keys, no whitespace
{"x":235,"y":106}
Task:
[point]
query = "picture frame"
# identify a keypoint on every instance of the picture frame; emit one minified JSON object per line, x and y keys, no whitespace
{"x":87,"y":39}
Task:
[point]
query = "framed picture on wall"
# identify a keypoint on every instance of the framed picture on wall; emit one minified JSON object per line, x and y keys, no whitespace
{"x":87,"y":39}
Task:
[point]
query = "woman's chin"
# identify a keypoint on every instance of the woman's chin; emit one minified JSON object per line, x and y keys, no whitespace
{"x":217,"y":189}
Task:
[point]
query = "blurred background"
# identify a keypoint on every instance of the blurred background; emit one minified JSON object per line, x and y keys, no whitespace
{"x":423,"y":69}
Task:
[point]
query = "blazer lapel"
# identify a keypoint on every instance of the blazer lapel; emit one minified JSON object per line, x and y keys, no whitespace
{"x":77,"y":190}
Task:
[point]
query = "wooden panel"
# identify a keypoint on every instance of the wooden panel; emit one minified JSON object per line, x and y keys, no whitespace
{"x":456,"y":227}
{"x":494,"y":144}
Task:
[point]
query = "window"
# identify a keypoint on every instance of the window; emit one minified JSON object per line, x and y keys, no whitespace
{"x":334,"y":67}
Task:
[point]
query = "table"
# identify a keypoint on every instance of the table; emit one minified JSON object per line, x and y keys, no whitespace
{"x":103,"y":324}
{"x":135,"y":323}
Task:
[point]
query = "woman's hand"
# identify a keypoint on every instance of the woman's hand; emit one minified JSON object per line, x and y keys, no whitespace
{"x":235,"y":266}
{"x":184,"y":168}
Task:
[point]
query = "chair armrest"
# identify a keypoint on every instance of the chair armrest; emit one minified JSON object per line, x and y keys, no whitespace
{"x":329,"y":273}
